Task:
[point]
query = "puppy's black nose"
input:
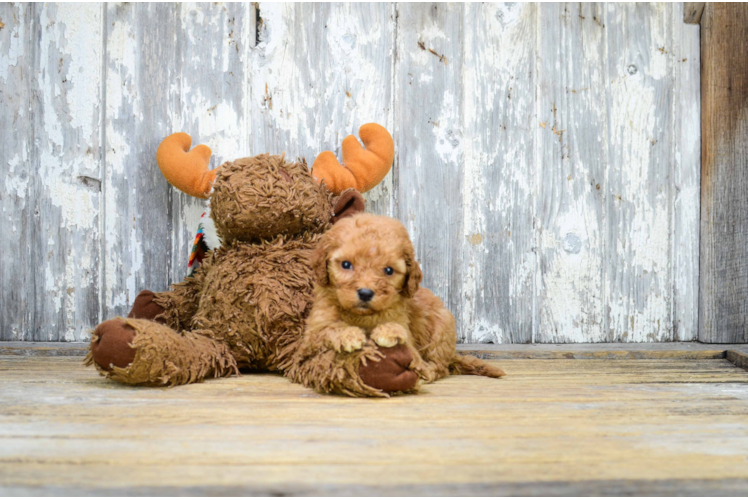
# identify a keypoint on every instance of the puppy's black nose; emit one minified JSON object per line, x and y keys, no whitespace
{"x":365,"y":294}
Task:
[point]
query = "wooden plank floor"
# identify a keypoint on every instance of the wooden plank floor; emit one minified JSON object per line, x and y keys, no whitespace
{"x":553,"y":426}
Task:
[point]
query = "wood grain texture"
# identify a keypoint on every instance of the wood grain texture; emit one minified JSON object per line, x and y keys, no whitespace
{"x":571,"y":130}
{"x":430,"y":134}
{"x":17,"y":196}
{"x":637,"y":184}
{"x":692,"y":12}
{"x":67,"y":122}
{"x":141,"y":70}
{"x":723,"y":302}
{"x":738,"y":356}
{"x":686,"y":176}
{"x":318,"y":73}
{"x":617,"y":107}
{"x":547,"y":155}
{"x":577,"y":424}
{"x":497,"y":174}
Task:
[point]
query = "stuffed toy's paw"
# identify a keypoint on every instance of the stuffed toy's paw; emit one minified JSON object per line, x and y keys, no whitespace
{"x":111,"y":344}
{"x":391,"y":373}
{"x":144,"y":307}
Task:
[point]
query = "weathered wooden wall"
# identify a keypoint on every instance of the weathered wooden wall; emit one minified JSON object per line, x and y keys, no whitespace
{"x":547,"y":154}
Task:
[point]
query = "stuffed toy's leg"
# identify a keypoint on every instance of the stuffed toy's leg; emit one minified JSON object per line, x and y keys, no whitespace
{"x":370,"y":371}
{"x":144,"y":352}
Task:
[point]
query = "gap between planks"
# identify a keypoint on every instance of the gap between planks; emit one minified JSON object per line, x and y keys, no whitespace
{"x":737,"y":354}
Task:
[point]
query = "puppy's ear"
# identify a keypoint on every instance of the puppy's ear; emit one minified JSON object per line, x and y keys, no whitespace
{"x":413,"y":275}
{"x":349,"y":203}
{"x":319,"y":259}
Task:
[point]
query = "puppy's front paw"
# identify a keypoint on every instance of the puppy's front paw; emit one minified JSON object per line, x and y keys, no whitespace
{"x":389,"y":334}
{"x":347,"y":339}
{"x":424,"y":370}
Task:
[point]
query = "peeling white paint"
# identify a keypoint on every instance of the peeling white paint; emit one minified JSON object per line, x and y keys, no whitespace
{"x":283,"y":38}
{"x":480,"y":181}
{"x":122,"y":105}
{"x":474,"y":198}
{"x":448,"y":134}
{"x":82,"y":44}
{"x":16,"y":182}
{"x":482,"y":331}
{"x":643,"y":216}
{"x":686,"y":60}
{"x":66,"y":132}
{"x":9,"y":57}
{"x":79,"y":208}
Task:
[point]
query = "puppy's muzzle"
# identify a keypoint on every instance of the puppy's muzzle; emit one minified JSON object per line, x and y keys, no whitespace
{"x":365,"y":294}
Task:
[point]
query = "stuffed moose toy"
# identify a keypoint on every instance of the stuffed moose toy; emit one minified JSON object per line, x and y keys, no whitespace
{"x":245,"y":306}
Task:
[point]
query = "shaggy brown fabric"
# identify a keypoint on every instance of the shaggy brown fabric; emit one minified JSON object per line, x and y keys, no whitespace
{"x":181,"y":302}
{"x":246,"y":304}
{"x":325,"y":370}
{"x":255,"y":297}
{"x":165,"y":357}
{"x":144,"y":306}
{"x":252,"y":200}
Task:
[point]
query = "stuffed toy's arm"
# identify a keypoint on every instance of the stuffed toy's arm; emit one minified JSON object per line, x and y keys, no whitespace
{"x":181,"y":302}
{"x":361,"y":169}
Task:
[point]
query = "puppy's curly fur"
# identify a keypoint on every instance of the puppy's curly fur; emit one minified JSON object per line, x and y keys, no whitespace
{"x":374,"y":254}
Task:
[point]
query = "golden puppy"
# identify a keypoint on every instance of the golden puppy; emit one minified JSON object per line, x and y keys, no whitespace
{"x":368,"y":290}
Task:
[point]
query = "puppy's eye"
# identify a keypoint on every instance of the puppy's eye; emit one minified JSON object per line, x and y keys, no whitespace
{"x":346,"y":265}
{"x":388,"y":271}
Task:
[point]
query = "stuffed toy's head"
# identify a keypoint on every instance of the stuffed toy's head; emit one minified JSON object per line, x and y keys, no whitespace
{"x":264,"y":196}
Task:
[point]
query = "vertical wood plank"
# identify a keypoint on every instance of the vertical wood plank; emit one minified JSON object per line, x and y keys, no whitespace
{"x":319,"y":72}
{"x":67,"y":177}
{"x":498,"y":114}
{"x":213,"y":45}
{"x":17,"y":171}
{"x":686,"y":160}
{"x":140,"y":94}
{"x":723,"y":303}
{"x":572,"y":132}
{"x":638,"y":198}
{"x":429,"y":137}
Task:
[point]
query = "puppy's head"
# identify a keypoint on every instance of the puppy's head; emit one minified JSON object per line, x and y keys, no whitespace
{"x":368,"y":264}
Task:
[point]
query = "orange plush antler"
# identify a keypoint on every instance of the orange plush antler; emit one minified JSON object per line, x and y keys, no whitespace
{"x":362,"y":168}
{"x":184,"y":169}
